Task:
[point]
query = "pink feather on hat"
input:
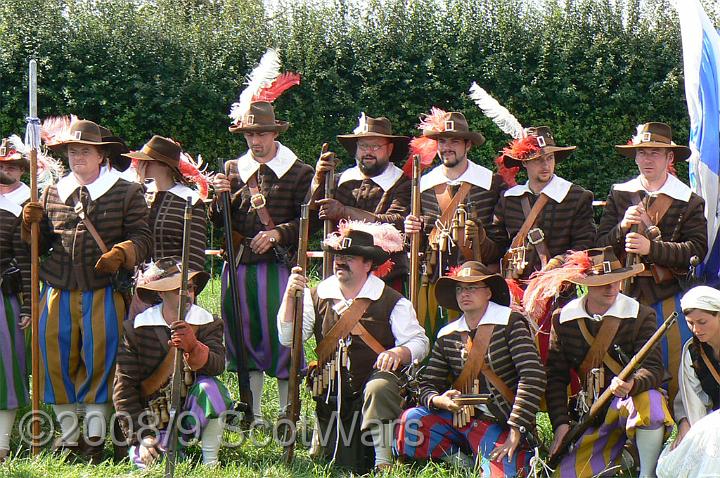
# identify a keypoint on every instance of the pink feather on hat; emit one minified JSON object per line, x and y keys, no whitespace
{"x":422,"y":145}
{"x":385,"y":236}
{"x":56,"y":129}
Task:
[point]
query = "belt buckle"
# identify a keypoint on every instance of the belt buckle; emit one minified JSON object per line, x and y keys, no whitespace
{"x":257,"y":201}
{"x":535,"y":236}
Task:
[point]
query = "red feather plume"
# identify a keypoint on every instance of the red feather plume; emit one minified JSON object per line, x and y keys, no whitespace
{"x":523,"y":148}
{"x":508,"y":174}
{"x":384,"y":269}
{"x":426,"y":148}
{"x":281,"y":84}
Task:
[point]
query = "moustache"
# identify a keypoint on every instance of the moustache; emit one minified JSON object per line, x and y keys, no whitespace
{"x":342,"y":267}
{"x":374,"y":158}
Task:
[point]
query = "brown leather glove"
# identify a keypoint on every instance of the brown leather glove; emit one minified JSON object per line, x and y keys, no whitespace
{"x":121,"y":255}
{"x":32,"y":213}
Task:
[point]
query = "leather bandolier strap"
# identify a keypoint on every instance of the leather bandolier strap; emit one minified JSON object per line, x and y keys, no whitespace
{"x":346,"y":323}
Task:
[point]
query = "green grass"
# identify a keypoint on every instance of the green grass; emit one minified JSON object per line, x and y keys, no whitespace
{"x":247,"y":460}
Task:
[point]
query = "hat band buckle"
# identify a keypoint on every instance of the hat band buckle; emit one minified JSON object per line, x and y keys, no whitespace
{"x":257,"y":201}
{"x":3,"y":151}
{"x":535,"y":236}
{"x":449,"y":125}
{"x":541,"y":141}
{"x":346,"y":243}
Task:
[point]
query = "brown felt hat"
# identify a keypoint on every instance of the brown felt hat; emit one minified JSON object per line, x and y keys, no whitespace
{"x":358,"y":243}
{"x":9,"y":155}
{"x":471,"y":272}
{"x":161,"y":149}
{"x":456,"y":126}
{"x":165,"y":275}
{"x":543,"y":139}
{"x":260,"y":118}
{"x":115,"y":152}
{"x":653,"y":135}
{"x":84,"y":132}
{"x":605,"y":268}
{"x":381,"y":127}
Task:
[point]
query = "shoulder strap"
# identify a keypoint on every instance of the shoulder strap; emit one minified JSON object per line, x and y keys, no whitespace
{"x":709,"y":365}
{"x":531,"y":216}
{"x":655,"y":211}
{"x":448,"y":205}
{"x":160,"y":375}
{"x":342,"y":328}
{"x":539,"y":240}
{"x":476,"y":357}
{"x":80,"y":211}
{"x":599,"y":346}
{"x":257,"y":202}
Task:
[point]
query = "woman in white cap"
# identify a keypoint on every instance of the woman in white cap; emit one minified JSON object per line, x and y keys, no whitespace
{"x":696,"y":448}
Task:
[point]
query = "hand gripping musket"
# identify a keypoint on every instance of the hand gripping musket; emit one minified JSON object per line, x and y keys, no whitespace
{"x":32,"y":139}
{"x":246,"y":399}
{"x":415,"y":240}
{"x":574,"y":434}
{"x":178,"y":373}
{"x":328,"y":225}
{"x":630,"y":260}
{"x":297,"y":352}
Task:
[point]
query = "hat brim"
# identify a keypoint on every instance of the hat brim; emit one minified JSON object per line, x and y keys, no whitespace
{"x":113,"y":148}
{"x":279,"y":127}
{"x":140,"y":156}
{"x":595,"y":280}
{"x":628,"y":150}
{"x":401,"y":144}
{"x":148,"y":292}
{"x":560,"y":152}
{"x":376,"y":254}
{"x":476,"y":138}
{"x":446,"y":296}
{"x":24,"y":162}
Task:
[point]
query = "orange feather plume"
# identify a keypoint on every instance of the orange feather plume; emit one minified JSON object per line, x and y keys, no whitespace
{"x":281,"y":84}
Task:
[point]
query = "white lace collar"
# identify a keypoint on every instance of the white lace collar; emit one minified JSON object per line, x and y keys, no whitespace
{"x":385,"y":180}
{"x":280,"y":164}
{"x":19,"y":195}
{"x":673,"y":187}
{"x":106,"y":180}
{"x":494,"y":314}
{"x":153,"y":317}
{"x":183,"y":192}
{"x":624,"y":308}
{"x":474,"y":174}
{"x":556,"y":189}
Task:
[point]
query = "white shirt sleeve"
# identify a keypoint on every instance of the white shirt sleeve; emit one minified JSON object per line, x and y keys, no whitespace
{"x":285,"y":329}
{"x":407,"y":330}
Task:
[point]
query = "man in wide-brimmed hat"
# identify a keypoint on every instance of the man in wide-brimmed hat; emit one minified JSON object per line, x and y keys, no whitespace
{"x":488,"y":351}
{"x":268,"y":185}
{"x":15,"y":287}
{"x":375,"y":189}
{"x":94,"y":226}
{"x":143,"y":374}
{"x":455,"y":192}
{"x":594,"y":336}
{"x":543,"y":218}
{"x":366,"y":333}
{"x":657,"y":219}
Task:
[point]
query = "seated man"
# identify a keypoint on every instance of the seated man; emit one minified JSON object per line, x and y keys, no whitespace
{"x":594,"y":336}
{"x":145,"y":367}
{"x":489,"y":351}
{"x":366,"y":332}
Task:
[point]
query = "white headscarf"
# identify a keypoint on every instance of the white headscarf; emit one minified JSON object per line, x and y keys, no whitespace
{"x":701,"y":297}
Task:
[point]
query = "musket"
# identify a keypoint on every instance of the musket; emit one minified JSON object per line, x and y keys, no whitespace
{"x":177,"y":376}
{"x":415,"y":240}
{"x":296,"y":352}
{"x":32,"y":139}
{"x":328,"y":225}
{"x":630,"y":260}
{"x":246,"y":399}
{"x":574,"y":434}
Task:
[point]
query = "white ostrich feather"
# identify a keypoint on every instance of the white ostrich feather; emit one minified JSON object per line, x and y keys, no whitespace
{"x":261,"y":77}
{"x":50,"y":170}
{"x":496,"y":112}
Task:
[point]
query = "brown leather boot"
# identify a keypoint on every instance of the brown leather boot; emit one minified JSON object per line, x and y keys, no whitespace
{"x":95,"y":454}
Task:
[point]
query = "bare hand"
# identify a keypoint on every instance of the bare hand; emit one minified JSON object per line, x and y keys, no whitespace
{"x":331,"y":209}
{"x":631,"y":217}
{"x":560,"y":433}
{"x":683,"y":428}
{"x":637,"y":244}
{"x":25,"y":321}
{"x":620,"y":388}
{"x":296,"y":282}
{"x":148,"y":450}
{"x":220,"y":183}
{"x":446,"y":402}
{"x":388,"y":361}
{"x":508,"y":448}
{"x":412,"y":224}
{"x":264,"y":241}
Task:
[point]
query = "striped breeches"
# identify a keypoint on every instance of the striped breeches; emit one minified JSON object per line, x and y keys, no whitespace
{"x":79,"y":338}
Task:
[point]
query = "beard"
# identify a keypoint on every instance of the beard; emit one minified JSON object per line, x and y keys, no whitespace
{"x":375,"y":169}
{"x":450,"y":161}
{"x":6,"y":180}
